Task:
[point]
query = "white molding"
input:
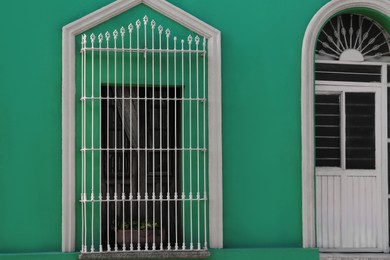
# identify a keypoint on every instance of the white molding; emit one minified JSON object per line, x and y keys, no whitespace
{"x":68,"y":144}
{"x":215,"y":143}
{"x":307,"y":111}
{"x":384,"y":159}
{"x":69,"y":33}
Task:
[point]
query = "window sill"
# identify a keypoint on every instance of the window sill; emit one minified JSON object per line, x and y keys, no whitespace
{"x":146,"y":254}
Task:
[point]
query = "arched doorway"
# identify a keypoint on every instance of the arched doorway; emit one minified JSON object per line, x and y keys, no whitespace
{"x":350,"y":144}
{"x":333,"y":219}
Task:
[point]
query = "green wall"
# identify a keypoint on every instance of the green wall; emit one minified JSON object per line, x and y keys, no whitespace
{"x":261,"y":50}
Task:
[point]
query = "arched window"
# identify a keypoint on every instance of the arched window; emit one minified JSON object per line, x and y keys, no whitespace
{"x":344,"y":129}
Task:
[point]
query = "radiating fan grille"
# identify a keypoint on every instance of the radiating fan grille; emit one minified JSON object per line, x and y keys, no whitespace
{"x":353,"y":37}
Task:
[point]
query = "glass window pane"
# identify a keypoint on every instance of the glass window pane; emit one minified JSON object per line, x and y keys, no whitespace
{"x":328,"y":130}
{"x":360,"y":130}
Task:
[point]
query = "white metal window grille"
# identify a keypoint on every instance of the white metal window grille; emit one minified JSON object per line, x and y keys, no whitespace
{"x":143,"y":141}
{"x":353,"y":37}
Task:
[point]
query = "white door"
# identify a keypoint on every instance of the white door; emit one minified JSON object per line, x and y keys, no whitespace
{"x":349,"y":193}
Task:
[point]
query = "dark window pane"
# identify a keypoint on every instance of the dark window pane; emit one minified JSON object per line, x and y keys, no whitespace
{"x":139,"y":123}
{"x":388,"y":74}
{"x":360,"y":130}
{"x":388,"y":110}
{"x":327,"y":130}
{"x":388,"y":170}
{"x":347,"y":72}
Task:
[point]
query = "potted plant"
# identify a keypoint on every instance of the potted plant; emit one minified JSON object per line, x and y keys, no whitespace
{"x":140,"y":233}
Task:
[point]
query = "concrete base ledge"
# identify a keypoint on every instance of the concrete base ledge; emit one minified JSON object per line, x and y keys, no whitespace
{"x":354,"y":256}
{"x":146,"y":254}
{"x":216,"y":254}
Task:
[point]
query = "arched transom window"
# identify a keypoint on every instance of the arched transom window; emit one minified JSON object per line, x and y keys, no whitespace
{"x":353,"y":37}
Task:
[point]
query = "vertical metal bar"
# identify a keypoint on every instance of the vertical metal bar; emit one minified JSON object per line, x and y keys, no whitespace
{"x":138,"y":24}
{"x":183,"y":196}
{"x":123,"y":139}
{"x":167,"y":33}
{"x":83,"y":42}
{"x":131,"y":197}
{"x":358,"y":32}
{"x":175,"y":135}
{"x":204,"y":144}
{"x":107,"y":35}
{"x":100,"y":37}
{"x":108,"y":141}
{"x":350,"y":32}
{"x":160,"y":30}
{"x":343,"y":130}
{"x":190,"y":136}
{"x":92,"y":140}
{"x":82,"y":142}
{"x":343,"y":32}
{"x":153,"y":25}
{"x":115,"y":141}
{"x":361,"y":30}
{"x":197,"y":39}
{"x":339,"y":34}
{"x":85,"y":149}
{"x":146,"y":130}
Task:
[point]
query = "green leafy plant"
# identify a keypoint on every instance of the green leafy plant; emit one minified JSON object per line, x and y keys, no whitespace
{"x":143,"y":225}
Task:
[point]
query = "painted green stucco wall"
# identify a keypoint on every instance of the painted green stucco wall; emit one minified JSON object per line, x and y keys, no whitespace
{"x":261,"y":50}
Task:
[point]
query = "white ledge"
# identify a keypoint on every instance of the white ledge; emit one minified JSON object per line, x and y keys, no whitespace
{"x":147,"y":254}
{"x":354,"y":256}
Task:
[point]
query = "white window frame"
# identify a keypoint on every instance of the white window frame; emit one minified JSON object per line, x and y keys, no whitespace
{"x":69,"y":34}
{"x":307,"y":104}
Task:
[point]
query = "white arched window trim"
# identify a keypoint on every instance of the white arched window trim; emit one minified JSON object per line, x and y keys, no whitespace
{"x":69,"y":33}
{"x":307,"y":103}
